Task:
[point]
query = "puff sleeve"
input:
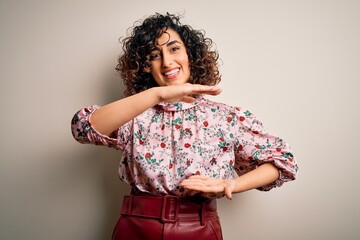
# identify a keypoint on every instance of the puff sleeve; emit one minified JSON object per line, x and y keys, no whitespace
{"x":83,"y":131}
{"x":254,"y":146}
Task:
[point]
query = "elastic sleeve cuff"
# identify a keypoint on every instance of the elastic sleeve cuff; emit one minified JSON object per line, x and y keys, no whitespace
{"x":286,"y":174}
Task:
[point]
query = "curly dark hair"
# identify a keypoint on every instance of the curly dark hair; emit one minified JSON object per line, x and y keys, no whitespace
{"x":138,"y":46}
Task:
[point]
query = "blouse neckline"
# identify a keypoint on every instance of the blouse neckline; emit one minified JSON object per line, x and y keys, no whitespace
{"x":179,"y":106}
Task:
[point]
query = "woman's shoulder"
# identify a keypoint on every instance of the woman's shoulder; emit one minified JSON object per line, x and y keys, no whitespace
{"x":216,"y":105}
{"x":233,"y":113}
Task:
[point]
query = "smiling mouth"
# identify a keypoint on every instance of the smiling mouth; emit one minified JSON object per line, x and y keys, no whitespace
{"x":172,"y":73}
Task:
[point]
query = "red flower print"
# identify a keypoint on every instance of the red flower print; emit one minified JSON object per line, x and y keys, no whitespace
{"x":163,"y":127}
{"x":197,"y":173}
{"x":163,"y":145}
{"x":222,"y":139}
{"x":242,"y":118}
{"x":229,"y":119}
{"x":213,"y":161}
{"x":187,"y":145}
{"x":171,"y":165}
{"x":187,"y":129}
{"x":255,"y":132}
{"x":257,"y":146}
{"x":188,"y":162}
{"x":177,"y":126}
{"x":206,"y":123}
{"x":231,"y":162}
{"x":148,"y":155}
{"x":141,"y":142}
{"x":240,"y":148}
{"x":278,"y":149}
{"x":225,"y":149}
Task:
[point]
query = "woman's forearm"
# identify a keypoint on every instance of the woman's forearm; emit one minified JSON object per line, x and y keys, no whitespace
{"x":111,"y":116}
{"x":261,"y":176}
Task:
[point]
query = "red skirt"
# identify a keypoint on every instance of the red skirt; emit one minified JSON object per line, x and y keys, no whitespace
{"x":149,"y":217}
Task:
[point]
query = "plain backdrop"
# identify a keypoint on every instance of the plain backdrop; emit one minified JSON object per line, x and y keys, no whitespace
{"x":294,"y":64}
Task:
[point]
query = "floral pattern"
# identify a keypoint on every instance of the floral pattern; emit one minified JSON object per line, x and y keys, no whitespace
{"x":172,"y":141}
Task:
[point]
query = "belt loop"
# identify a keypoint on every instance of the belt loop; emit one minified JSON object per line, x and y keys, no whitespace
{"x":130,"y":204}
{"x":126,"y":206}
{"x":202,"y":213}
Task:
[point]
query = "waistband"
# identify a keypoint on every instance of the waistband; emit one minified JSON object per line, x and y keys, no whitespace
{"x":168,"y":208}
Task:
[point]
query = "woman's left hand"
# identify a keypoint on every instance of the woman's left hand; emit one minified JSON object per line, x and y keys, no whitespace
{"x":209,"y":185}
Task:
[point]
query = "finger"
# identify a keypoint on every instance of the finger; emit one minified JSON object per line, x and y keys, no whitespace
{"x":206,"y":189}
{"x":230,"y":187}
{"x":202,"y":177}
{"x":211,"y":90}
{"x":199,"y":88}
{"x":202,"y":181}
{"x":193,"y":182}
{"x":228,"y":193}
{"x":197,"y":187}
{"x":198,"y":184}
{"x":215,"y":90}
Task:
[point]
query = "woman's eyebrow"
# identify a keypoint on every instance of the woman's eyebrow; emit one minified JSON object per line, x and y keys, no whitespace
{"x":171,"y":43}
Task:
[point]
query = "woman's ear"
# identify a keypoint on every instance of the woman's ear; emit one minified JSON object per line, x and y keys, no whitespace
{"x":147,"y":70}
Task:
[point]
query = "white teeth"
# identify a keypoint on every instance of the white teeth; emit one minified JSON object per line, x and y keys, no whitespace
{"x":171,"y":72}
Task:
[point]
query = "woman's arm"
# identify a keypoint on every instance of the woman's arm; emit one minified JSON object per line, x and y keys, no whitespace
{"x":261,"y":176}
{"x":111,"y":116}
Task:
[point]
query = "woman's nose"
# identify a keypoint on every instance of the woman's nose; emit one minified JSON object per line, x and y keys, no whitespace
{"x":167,"y":60}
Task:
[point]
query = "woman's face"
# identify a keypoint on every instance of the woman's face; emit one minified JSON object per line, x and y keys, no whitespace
{"x":170,"y":62}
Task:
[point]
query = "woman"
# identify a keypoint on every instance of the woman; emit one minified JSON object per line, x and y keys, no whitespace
{"x":180,"y":150}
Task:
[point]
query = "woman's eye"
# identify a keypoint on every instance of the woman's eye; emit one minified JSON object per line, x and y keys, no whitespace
{"x":174,"y":49}
{"x":154,"y":56}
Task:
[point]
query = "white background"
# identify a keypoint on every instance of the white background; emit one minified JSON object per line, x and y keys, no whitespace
{"x":295,"y":64}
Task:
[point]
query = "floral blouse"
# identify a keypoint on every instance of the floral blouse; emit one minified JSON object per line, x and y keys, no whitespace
{"x":172,"y":141}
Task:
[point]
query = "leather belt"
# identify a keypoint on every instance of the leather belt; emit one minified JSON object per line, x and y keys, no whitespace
{"x":168,"y":208}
